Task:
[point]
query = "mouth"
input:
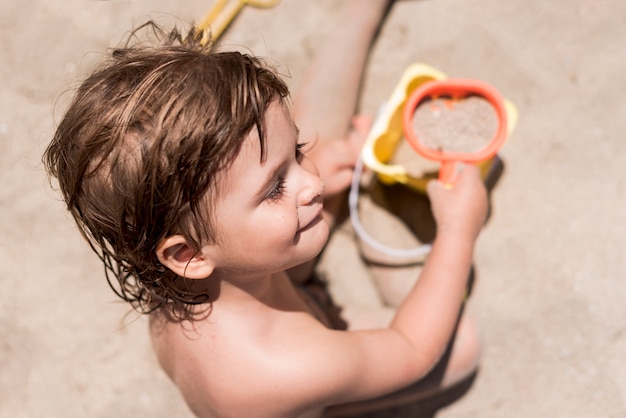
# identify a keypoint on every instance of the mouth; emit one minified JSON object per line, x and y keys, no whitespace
{"x":317,"y":218}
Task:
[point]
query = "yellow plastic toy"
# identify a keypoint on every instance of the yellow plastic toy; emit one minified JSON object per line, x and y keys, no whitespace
{"x":223,"y":12}
{"x":387,"y":130}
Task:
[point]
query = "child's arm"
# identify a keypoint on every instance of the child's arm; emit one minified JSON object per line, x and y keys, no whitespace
{"x":350,"y":366}
{"x":326,"y":101}
{"x":441,"y":289}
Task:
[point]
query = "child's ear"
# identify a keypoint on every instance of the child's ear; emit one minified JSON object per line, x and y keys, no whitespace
{"x":177,"y":255}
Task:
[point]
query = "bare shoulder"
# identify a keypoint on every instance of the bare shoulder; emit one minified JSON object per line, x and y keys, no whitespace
{"x":275,"y":363}
{"x":228,"y":365}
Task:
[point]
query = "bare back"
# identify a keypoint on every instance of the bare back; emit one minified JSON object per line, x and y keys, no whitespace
{"x":235,"y":362}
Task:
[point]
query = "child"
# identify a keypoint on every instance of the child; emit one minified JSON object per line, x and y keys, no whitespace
{"x":185,"y":170}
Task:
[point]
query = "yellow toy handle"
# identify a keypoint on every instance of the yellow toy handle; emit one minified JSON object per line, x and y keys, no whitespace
{"x":223,"y":12}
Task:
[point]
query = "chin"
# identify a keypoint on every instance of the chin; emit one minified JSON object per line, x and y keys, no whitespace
{"x":322,"y":232}
{"x":313,"y":240}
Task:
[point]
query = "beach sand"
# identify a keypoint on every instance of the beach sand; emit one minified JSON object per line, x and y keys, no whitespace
{"x":551,"y":262}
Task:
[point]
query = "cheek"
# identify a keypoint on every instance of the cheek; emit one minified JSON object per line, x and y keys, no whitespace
{"x":283,"y":220}
{"x":272,"y":224}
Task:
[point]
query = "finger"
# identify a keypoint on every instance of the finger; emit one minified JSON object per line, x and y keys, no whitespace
{"x":338,"y":182}
{"x":361,"y":125}
{"x":468,"y":171}
{"x":434,"y":188}
{"x":342,"y":155}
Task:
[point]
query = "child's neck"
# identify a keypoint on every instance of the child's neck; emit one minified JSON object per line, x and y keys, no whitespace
{"x":266,"y":289}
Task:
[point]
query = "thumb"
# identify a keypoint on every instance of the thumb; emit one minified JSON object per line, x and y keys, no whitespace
{"x":361,"y":125}
{"x":338,"y":182}
{"x":434,"y":188}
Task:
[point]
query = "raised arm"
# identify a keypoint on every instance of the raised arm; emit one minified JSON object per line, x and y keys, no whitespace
{"x":364,"y":364}
{"x":326,"y":100}
{"x":429,"y":314}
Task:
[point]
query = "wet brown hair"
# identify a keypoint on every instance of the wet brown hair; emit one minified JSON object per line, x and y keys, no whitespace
{"x":139,"y":152}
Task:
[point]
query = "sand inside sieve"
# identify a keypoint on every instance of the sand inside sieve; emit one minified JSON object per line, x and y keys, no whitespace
{"x":465,"y":125}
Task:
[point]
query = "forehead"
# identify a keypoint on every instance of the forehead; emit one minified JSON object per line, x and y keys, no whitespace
{"x":279,"y":130}
{"x":280,"y":136}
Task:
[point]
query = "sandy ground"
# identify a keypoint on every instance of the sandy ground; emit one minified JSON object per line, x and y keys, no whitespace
{"x":551,"y":261}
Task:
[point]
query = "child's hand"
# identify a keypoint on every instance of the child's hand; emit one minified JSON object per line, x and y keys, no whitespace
{"x":463,"y":208}
{"x":335,"y":159}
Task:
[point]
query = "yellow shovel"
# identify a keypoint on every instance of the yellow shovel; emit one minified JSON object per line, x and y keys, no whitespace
{"x":223,"y":12}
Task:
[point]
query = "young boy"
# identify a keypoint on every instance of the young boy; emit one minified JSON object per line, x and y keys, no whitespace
{"x":185,"y":170}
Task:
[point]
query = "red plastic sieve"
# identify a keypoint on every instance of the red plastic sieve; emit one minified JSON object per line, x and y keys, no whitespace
{"x":455,"y":89}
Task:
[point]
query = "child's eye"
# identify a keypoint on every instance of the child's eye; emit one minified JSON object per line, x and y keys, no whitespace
{"x":277,"y":190}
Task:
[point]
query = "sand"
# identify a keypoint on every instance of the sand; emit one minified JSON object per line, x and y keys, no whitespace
{"x":464,"y":125}
{"x":551,"y":262}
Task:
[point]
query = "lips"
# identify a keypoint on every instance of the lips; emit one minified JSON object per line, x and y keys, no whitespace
{"x":316,"y":214}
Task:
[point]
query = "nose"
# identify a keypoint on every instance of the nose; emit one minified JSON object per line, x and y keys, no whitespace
{"x":312,"y":188}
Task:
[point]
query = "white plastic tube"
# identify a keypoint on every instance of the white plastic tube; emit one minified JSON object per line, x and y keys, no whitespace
{"x":353,"y":204}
